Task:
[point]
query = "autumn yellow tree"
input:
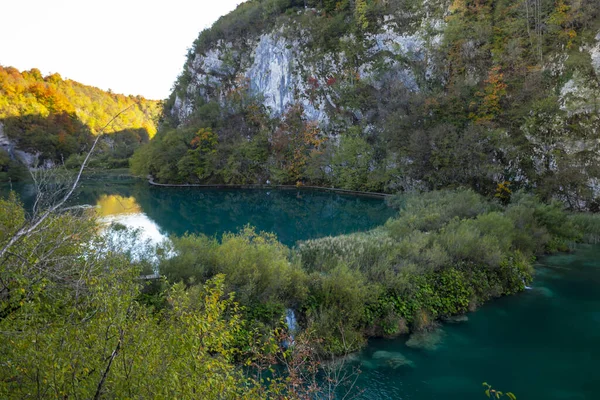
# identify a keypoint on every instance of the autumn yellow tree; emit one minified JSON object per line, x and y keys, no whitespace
{"x":490,"y":99}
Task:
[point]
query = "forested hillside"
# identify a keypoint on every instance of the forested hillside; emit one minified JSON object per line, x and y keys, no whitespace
{"x":48,"y":120}
{"x":391,"y":95}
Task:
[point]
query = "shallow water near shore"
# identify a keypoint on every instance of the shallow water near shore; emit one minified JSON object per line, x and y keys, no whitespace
{"x":541,"y":344}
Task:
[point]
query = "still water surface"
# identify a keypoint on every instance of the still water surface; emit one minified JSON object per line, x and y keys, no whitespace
{"x":541,"y":344}
{"x":292,"y":214}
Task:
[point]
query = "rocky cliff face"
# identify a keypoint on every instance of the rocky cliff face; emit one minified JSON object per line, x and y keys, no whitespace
{"x":280,"y":66}
{"x":595,"y":54}
{"x":403,"y":82}
{"x":30,"y":160}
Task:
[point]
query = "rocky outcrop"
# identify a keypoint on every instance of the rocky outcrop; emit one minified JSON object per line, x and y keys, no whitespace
{"x":595,"y":54}
{"x":280,"y":68}
{"x":579,"y":96}
{"x":275,"y":75}
{"x":3,"y":138}
{"x":30,"y":160}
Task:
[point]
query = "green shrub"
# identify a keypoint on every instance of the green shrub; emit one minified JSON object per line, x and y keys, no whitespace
{"x":361,"y":251}
{"x":430,"y":211}
{"x":256,"y":266}
{"x":337,"y":309}
{"x":463,"y":241}
{"x":588,"y":225}
{"x":443,"y":255}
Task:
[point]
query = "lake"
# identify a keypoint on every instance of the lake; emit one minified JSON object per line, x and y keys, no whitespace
{"x":541,"y":344}
{"x":292,"y":214}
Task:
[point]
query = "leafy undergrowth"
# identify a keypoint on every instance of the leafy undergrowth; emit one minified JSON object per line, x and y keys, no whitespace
{"x":77,"y":321}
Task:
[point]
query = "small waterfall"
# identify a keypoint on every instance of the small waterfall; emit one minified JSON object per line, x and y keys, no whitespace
{"x":292,"y":324}
{"x":526,"y":287}
{"x":290,"y":320}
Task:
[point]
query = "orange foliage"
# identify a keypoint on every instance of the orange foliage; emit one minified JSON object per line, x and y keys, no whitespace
{"x":563,"y":18}
{"x":294,"y":140}
{"x":62,"y":137}
{"x":494,"y":91}
{"x":205,"y":140}
{"x":28,"y":93}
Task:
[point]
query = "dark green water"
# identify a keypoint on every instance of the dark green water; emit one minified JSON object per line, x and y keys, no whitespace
{"x":541,"y":344}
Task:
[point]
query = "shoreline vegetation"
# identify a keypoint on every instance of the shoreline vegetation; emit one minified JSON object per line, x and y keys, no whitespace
{"x":445,"y":254}
{"x":269,"y":186}
{"x":76,"y":319}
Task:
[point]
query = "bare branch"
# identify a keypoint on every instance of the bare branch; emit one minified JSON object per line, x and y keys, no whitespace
{"x":107,"y":370}
{"x":27,"y":229}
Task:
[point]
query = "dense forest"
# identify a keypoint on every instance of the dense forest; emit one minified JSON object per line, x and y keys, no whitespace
{"x":49,"y":121}
{"x":390,"y":95}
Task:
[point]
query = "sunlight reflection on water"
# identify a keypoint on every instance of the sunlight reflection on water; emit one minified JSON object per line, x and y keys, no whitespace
{"x":142,"y":234}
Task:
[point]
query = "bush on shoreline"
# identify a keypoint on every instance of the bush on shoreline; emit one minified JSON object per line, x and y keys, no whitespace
{"x":67,"y":309}
{"x":446,"y":253}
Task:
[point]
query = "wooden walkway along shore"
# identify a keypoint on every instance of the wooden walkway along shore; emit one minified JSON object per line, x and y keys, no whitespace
{"x":285,"y":187}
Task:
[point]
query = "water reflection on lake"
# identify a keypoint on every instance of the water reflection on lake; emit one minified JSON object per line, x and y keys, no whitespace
{"x":114,"y":204}
{"x":291,"y":214}
{"x":117,"y":209}
{"x":294,"y":214}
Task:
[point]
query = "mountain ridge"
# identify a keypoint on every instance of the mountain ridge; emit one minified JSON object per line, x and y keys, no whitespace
{"x":47,"y":121}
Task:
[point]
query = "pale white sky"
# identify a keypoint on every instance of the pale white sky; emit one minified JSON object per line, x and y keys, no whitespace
{"x":129,"y":46}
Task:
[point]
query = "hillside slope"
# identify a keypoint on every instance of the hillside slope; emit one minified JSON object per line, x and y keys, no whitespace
{"x":391,"y":95}
{"x":46,"y":120}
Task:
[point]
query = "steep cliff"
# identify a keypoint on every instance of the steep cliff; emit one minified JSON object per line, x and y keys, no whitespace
{"x":393,"y":95}
{"x":285,"y":64}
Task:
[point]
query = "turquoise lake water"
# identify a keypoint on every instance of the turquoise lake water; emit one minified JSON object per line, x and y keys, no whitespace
{"x":541,"y":344}
{"x":292,"y":214}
